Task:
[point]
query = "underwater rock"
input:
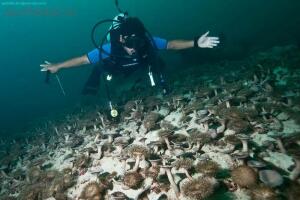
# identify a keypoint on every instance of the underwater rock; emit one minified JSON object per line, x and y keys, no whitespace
{"x":270,"y":178}
{"x":280,"y":160}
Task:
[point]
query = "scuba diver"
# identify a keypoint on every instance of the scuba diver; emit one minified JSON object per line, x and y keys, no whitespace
{"x":127,"y":47}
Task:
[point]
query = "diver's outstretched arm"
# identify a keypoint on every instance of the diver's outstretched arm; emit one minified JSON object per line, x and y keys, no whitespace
{"x":74,"y":62}
{"x":202,"y":42}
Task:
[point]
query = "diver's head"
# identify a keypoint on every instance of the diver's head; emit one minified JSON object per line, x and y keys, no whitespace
{"x":132,"y":35}
{"x":132,"y":25}
{"x":132,"y":43}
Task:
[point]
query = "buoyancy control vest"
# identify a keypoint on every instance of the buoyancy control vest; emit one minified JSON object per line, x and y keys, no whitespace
{"x":120,"y":62}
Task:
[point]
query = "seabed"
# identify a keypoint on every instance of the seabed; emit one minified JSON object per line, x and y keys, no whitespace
{"x":228,"y":130}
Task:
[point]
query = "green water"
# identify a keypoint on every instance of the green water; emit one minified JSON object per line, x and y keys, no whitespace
{"x":58,"y":30}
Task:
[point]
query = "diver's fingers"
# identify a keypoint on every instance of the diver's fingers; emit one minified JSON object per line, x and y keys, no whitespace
{"x":214,"y":38}
{"x":215,"y":42}
{"x":47,"y":62}
{"x":213,"y":45}
{"x":44,"y":69}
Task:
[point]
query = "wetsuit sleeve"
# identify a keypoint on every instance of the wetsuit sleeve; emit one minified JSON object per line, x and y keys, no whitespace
{"x":93,"y":55}
{"x":160,"y":43}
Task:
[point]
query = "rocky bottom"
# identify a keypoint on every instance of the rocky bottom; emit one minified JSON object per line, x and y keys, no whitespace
{"x":228,"y":130}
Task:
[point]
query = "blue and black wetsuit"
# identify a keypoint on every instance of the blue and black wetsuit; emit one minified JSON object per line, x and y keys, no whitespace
{"x":93,"y":55}
{"x":114,"y":61}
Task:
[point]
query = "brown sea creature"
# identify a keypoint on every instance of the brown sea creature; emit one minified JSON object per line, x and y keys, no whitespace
{"x":151,"y":102}
{"x":107,"y":148}
{"x":120,"y":143}
{"x":231,"y":113}
{"x":129,"y":106}
{"x":153,"y":171}
{"x":197,"y":105}
{"x":263,"y":193}
{"x":232,"y":139}
{"x":56,"y":186}
{"x":30,"y":192}
{"x":67,"y":170}
{"x":110,"y":136}
{"x":198,"y":138}
{"x":138,"y":151}
{"x":155,"y":146}
{"x":68,"y":181}
{"x":82,"y":161}
{"x":207,"y":167}
{"x":137,"y":115}
{"x":240,"y":157}
{"x":204,"y":92}
{"x":244,"y":176}
{"x":75,"y":141}
{"x":91,"y":191}
{"x":239,"y":125}
{"x":179,"y":139}
{"x":150,"y":120}
{"x":133,"y":180}
{"x":165,"y":125}
{"x":177,"y":101}
{"x":233,"y":87}
{"x":34,"y":174}
{"x":198,"y":189}
{"x":165,"y":134}
{"x":245,"y":93}
{"x":185,"y":164}
{"x":50,"y":175}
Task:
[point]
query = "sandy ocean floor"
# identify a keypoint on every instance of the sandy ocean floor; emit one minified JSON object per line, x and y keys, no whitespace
{"x":230,"y":130}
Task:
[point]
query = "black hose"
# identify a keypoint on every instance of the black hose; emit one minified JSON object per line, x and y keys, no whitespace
{"x":117,"y":5}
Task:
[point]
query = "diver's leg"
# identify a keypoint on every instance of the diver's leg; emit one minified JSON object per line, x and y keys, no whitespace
{"x":159,"y":68}
{"x":92,"y":85}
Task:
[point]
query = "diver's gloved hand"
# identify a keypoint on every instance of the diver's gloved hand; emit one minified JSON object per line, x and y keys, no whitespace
{"x":47,"y":66}
{"x":207,"y":42}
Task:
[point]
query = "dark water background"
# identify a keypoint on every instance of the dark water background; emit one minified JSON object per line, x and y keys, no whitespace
{"x":57,"y":30}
